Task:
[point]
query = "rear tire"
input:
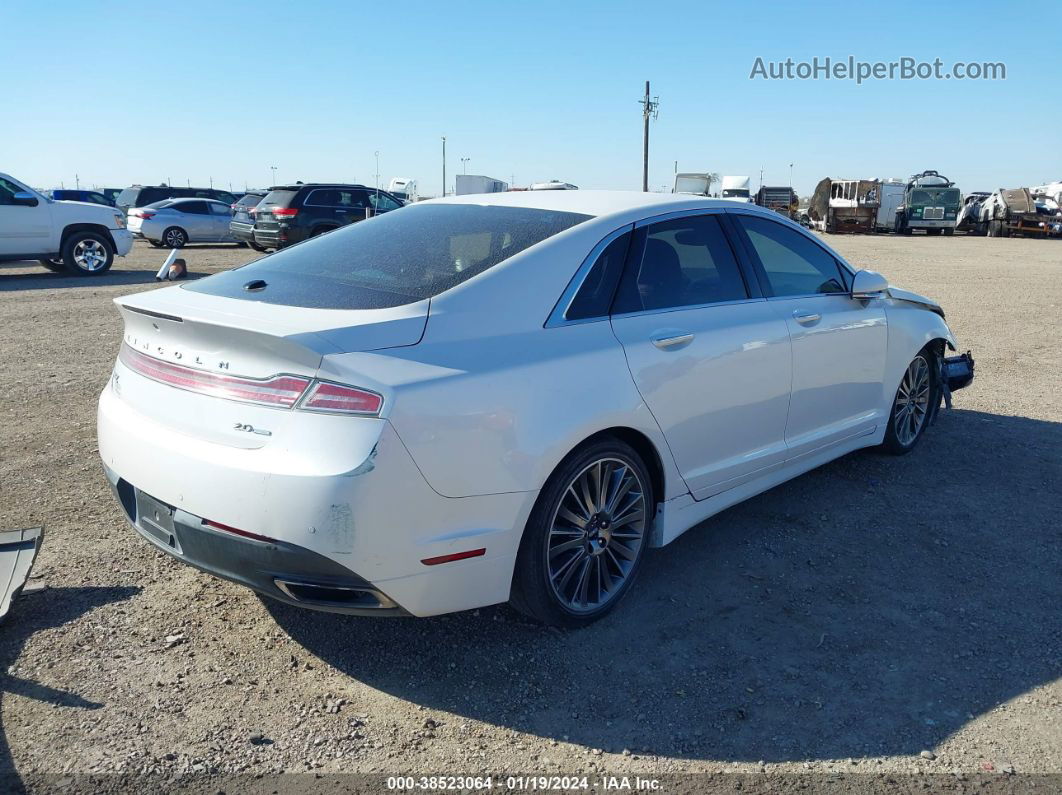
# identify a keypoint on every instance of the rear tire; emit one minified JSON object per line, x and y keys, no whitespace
{"x":174,"y":237}
{"x":54,"y":265}
{"x":586,"y":536}
{"x":87,"y":253}
{"x":917,"y":397}
{"x":257,"y":247}
{"x":156,"y":243}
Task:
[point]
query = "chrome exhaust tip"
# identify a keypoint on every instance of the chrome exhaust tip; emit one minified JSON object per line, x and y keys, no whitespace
{"x":334,"y":596}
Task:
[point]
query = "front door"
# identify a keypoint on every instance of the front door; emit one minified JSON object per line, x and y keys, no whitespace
{"x":839,"y":343}
{"x":710,"y":359}
{"x":24,"y":229}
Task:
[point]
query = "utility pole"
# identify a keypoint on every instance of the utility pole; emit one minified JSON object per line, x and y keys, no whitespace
{"x":77,"y":181}
{"x":274,"y":170}
{"x":790,"y":175}
{"x":444,"y":166}
{"x":761,"y":176}
{"x":650,"y":109}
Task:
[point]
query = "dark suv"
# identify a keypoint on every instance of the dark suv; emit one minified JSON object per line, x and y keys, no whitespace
{"x":292,"y":213}
{"x":143,"y":195}
{"x":242,"y":224}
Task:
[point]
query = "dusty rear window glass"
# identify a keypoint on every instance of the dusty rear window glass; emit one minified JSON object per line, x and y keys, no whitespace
{"x":393,"y":259}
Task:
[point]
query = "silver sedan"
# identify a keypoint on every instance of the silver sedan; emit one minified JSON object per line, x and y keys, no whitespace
{"x":173,"y":223}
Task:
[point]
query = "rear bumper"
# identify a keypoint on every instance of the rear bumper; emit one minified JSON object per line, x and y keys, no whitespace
{"x":357,"y":515}
{"x":279,"y":238}
{"x":286,"y":572}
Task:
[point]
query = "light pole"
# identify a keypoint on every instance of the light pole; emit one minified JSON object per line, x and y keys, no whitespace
{"x":444,"y":166}
{"x":464,"y":164}
{"x":377,"y":153}
{"x":274,"y":170}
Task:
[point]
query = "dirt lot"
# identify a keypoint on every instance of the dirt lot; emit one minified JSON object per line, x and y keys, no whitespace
{"x":878,"y":615}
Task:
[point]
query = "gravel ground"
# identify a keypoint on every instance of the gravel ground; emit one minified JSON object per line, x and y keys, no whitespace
{"x":878,"y":615}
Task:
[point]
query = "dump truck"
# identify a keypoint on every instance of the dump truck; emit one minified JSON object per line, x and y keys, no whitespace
{"x":931,"y":202}
{"x":845,"y":205}
{"x":782,"y":200}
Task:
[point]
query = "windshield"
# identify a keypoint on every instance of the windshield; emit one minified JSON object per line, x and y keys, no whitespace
{"x":947,"y":197}
{"x":393,"y":259}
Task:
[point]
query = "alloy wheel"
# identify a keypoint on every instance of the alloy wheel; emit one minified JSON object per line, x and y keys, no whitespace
{"x":596,"y":535}
{"x":90,"y":255}
{"x":912,"y":402}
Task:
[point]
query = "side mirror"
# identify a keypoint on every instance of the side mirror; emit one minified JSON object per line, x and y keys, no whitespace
{"x":24,"y":199}
{"x":869,"y":284}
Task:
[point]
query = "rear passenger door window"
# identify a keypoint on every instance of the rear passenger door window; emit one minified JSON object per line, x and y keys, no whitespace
{"x":791,"y":263}
{"x":685,"y":262}
{"x":195,"y":208}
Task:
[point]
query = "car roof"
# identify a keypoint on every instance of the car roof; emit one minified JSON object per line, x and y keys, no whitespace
{"x":318,"y":185}
{"x":591,"y":202}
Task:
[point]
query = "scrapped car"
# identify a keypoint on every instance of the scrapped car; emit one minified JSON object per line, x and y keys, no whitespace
{"x":174,"y":223}
{"x":503,"y":397}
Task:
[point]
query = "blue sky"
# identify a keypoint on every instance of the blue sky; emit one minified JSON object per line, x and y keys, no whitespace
{"x":122,"y":92}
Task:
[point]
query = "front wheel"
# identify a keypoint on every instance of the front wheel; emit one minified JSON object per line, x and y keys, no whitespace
{"x":587,"y":535}
{"x":87,"y":253}
{"x":916,"y":397}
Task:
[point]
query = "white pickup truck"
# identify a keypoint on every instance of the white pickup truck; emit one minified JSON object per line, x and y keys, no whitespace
{"x":75,"y":237}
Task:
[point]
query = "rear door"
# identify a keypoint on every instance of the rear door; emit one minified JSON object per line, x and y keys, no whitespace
{"x":710,"y":358}
{"x":221,"y":216}
{"x":839,"y":343}
{"x":196,"y":219}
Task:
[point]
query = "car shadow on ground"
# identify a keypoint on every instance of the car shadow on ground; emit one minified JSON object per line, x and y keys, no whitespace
{"x":31,"y":613}
{"x":871,"y":607}
{"x":45,"y":280}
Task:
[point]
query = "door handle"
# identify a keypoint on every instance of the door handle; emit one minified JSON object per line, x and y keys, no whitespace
{"x":670,"y":340}
{"x":806,"y":318}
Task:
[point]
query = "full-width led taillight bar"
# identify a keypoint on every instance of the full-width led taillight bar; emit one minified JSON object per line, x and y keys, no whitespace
{"x":281,"y":391}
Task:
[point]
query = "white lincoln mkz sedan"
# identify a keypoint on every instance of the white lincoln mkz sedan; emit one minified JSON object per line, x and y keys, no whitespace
{"x":503,"y":397}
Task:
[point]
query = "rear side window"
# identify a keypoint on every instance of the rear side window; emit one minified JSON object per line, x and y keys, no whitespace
{"x":219,"y":208}
{"x":595,"y":293}
{"x":686,"y":262}
{"x":335,"y":197}
{"x":392,"y":259}
{"x":793,"y":264}
{"x":193,"y":207}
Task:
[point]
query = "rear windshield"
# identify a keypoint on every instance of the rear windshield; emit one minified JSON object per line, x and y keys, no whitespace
{"x":393,"y":259}
{"x":128,"y":197}
{"x":250,"y":200}
{"x":279,"y":198}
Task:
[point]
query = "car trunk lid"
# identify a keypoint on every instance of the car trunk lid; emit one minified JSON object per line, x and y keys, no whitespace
{"x":213,"y":363}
